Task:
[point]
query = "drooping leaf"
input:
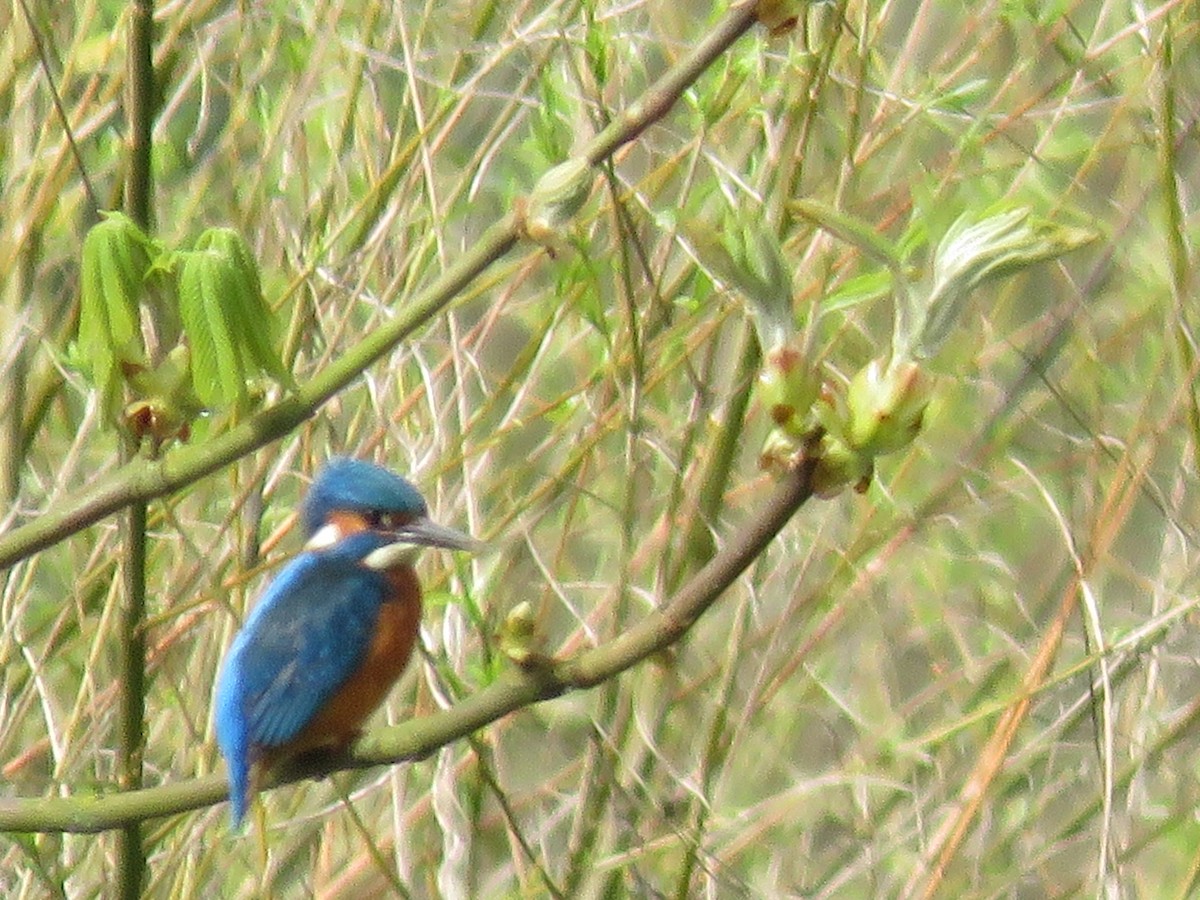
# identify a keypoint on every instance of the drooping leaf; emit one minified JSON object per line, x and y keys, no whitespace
{"x":222,"y":293}
{"x":217,"y":370}
{"x":226,"y":318}
{"x":114,"y":260}
{"x":94,"y":333}
{"x":245,"y":307}
{"x":252,"y":316}
{"x":123,"y":265}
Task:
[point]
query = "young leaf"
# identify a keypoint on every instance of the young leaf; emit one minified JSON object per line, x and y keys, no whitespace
{"x":217,"y":370}
{"x":849,"y":229}
{"x":974,"y":250}
{"x":123,"y":265}
{"x":222,"y":292}
{"x":115,"y":258}
{"x":858,"y":289}
{"x":245,"y":307}
{"x":746,"y":256}
{"x":94,"y":333}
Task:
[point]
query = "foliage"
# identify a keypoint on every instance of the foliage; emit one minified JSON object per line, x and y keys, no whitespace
{"x":980,"y":667}
{"x":214,"y":291}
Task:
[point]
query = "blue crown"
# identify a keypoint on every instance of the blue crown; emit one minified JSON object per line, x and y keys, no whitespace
{"x":355,"y":485}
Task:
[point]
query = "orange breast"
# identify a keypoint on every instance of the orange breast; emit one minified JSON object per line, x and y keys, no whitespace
{"x":340,"y":720}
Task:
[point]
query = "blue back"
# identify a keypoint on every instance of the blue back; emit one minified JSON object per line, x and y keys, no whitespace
{"x":356,"y":485}
{"x":307,"y":635}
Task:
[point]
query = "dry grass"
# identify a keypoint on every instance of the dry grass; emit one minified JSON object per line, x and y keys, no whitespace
{"x":821,"y":729}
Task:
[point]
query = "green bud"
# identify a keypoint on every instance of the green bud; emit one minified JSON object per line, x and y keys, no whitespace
{"x":841,"y":465}
{"x":837,"y":465}
{"x":557,"y":197}
{"x":885,"y":406}
{"x":166,"y":405}
{"x":518,"y":637}
{"x":780,"y":452}
{"x":788,"y":387}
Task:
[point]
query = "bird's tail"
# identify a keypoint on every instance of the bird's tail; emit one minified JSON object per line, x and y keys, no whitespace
{"x":239,"y":791}
{"x":235,"y":747}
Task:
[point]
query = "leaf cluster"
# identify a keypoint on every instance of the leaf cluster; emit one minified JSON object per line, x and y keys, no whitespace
{"x":133,"y":291}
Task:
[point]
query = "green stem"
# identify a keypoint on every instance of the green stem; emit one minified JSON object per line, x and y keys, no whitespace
{"x":1177,"y":254}
{"x":132,"y":858}
{"x":697,"y":545}
{"x":131,"y":854}
{"x":16,"y":380}
{"x":140,"y":111}
{"x":615,"y":714}
{"x":716,"y":748}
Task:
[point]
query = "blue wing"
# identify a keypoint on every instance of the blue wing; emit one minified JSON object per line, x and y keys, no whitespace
{"x":307,"y":635}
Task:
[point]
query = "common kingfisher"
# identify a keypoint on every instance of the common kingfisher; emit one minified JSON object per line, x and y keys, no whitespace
{"x":334,"y":630}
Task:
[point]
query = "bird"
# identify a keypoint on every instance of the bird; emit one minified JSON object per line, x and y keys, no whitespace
{"x":333,"y":631}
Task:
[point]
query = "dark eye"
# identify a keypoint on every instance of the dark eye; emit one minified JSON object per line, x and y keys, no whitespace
{"x":381,"y":520}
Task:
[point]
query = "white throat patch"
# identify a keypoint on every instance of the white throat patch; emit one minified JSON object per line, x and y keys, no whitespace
{"x":326,"y":536}
{"x":391,"y":556}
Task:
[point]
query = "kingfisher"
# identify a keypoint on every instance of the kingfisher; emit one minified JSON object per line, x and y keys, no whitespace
{"x":333,"y":631}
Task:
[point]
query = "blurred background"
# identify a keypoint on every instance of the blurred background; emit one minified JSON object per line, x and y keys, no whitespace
{"x":589,"y":410}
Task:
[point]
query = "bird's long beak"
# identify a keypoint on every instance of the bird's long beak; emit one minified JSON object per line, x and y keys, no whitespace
{"x":424,"y":532}
{"x":411,"y":537}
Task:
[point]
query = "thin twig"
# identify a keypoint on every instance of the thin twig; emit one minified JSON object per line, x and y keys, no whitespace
{"x":56,"y":97}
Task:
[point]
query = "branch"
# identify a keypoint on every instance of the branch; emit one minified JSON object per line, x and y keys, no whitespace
{"x":131,"y":735}
{"x":515,"y":689}
{"x":144,"y":480}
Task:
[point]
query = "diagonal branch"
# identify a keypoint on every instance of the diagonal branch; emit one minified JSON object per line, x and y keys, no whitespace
{"x":514,"y":690}
{"x":144,"y":480}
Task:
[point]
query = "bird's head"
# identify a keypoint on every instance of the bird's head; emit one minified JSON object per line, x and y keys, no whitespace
{"x":349,"y":496}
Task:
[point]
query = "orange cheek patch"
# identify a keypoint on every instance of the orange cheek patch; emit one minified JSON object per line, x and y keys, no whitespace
{"x":346,"y":523}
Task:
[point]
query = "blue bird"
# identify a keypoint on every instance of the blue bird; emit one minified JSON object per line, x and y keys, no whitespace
{"x":334,"y":630}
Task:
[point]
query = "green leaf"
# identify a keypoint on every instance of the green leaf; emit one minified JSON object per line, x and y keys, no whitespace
{"x":859,"y":289}
{"x":849,"y":229}
{"x":94,"y":334}
{"x":976,"y":249}
{"x":114,"y":260}
{"x":960,"y":97}
{"x":746,"y":256}
{"x":229,"y":244}
{"x":226,"y":318}
{"x":217,"y":370}
{"x":245,"y":307}
{"x":124,"y":269}
{"x":222,"y":292}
